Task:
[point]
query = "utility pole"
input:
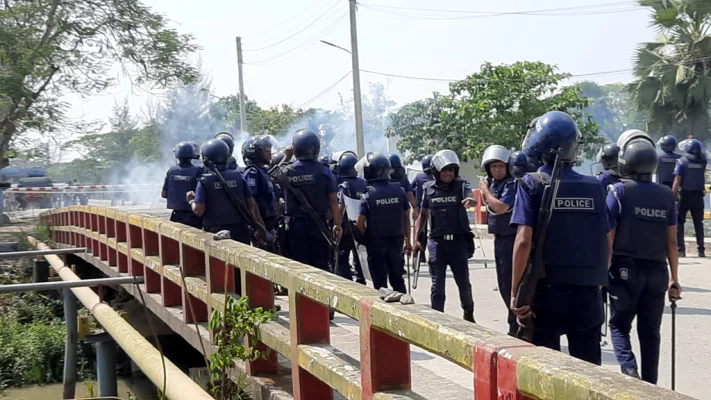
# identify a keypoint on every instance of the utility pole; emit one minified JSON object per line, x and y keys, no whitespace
{"x":242,"y":107}
{"x":356,"y":82}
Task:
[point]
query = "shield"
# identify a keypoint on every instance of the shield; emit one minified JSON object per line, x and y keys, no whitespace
{"x":352,"y":209}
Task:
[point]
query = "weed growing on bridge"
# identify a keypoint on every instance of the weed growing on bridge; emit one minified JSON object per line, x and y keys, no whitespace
{"x":230,"y":326}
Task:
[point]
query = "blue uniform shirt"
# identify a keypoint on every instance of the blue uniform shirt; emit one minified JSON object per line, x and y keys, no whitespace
{"x":316,"y":183}
{"x":613,"y":206}
{"x":467,"y":193}
{"x":201,"y":196}
{"x":607,"y":178}
{"x":419,"y":181}
{"x":404,"y":183}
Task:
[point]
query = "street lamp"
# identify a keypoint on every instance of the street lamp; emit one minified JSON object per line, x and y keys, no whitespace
{"x":358,"y":106}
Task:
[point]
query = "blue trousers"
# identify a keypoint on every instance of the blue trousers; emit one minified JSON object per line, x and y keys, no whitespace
{"x":503,"y":251}
{"x":346,"y":248}
{"x":385,"y":258}
{"x":637,"y":288}
{"x":306,"y":244}
{"x":187,"y":218}
{"x":574,"y":311}
{"x":452,"y":253}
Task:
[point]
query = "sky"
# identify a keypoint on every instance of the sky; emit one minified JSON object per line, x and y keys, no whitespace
{"x":286,"y":64}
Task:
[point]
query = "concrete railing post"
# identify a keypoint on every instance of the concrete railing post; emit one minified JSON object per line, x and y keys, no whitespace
{"x":70,"y":347}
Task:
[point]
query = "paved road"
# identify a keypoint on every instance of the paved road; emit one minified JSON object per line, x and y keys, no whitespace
{"x":693,"y":322}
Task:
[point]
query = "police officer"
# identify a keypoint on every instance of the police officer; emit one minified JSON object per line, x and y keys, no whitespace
{"x":667,"y":160}
{"x":450,"y":240}
{"x":643,"y":220}
{"x":179,"y":180}
{"x":398,"y":175}
{"x":418,"y":183}
{"x":607,"y":156}
{"x":499,"y":192}
{"x":230,"y":141}
{"x":354,"y":187}
{"x":257,"y":153}
{"x":306,"y":243}
{"x":689,"y":180}
{"x":568,"y":300}
{"x":213,"y":204}
{"x":519,"y":164}
{"x":385,"y":215}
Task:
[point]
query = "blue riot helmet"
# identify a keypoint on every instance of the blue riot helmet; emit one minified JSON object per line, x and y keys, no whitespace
{"x":427,"y":164}
{"x":493,"y":154}
{"x":638,"y":158}
{"x":196,"y":150}
{"x":277,"y":158}
{"x":377,"y":167}
{"x":215,"y":152}
{"x":607,"y":156}
{"x":554,"y":130}
{"x":249,"y":152}
{"x":693,"y":150}
{"x":306,"y":145}
{"x":445,"y":159}
{"x":184,"y":151}
{"x":397,"y":170}
{"x":518,"y":164}
{"x":227,"y":138}
{"x":263,"y":144}
{"x":325,"y":160}
{"x":667,"y":143}
{"x":346,"y":165}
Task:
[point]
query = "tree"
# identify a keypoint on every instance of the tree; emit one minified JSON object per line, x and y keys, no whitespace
{"x":673,"y":73}
{"x":613,"y":108}
{"x":492,"y":106}
{"x":52,"y":47}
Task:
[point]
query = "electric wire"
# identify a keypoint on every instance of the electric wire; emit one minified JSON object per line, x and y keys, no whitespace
{"x":325,"y":91}
{"x":296,"y":33}
{"x":313,"y":40}
{"x":287,"y":22}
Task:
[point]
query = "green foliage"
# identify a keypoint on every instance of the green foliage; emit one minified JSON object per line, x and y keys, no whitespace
{"x":673,"y":73}
{"x":236,"y":321}
{"x":492,"y":106}
{"x":49,"y":48}
{"x":30,"y":353}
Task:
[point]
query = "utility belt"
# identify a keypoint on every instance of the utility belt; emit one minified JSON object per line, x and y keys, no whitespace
{"x":451,"y":237}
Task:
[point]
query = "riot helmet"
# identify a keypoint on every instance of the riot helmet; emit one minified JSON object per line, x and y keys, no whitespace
{"x":493,"y":154}
{"x":638,"y":158}
{"x":346,"y":165}
{"x":184,"y":151}
{"x":427,"y":164}
{"x":377,"y":167}
{"x":397,"y":171}
{"x":445,"y":159}
{"x":306,"y":145}
{"x":607,"y":156}
{"x":277,"y":158}
{"x":325,"y":160}
{"x":694,"y":150}
{"x":555,"y":134}
{"x":249,"y":152}
{"x":667,"y":143}
{"x":518,"y":164}
{"x":216,"y":152}
{"x":227,"y":138}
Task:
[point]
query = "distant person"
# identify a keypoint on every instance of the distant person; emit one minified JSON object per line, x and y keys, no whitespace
{"x":689,"y":184}
{"x":667,"y":161}
{"x":179,"y":180}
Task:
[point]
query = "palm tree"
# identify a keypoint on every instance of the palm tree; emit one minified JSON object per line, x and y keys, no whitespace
{"x":673,"y":73}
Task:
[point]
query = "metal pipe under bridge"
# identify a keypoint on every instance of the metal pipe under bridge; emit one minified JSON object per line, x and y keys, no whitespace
{"x":303,"y":364}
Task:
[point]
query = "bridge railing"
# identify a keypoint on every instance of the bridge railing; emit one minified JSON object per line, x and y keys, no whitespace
{"x":503,"y":367}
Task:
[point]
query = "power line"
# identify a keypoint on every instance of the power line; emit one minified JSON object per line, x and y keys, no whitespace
{"x":297,"y":32}
{"x":415,"y":13}
{"x":313,"y":40}
{"x":288,"y":21}
{"x":323,"y":92}
{"x":420,"y":78}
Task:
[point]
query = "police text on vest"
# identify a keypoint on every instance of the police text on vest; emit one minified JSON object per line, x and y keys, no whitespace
{"x":382,"y":202}
{"x":450,"y":199}
{"x":181,"y":178}
{"x":650,"y":212}
{"x":301,"y":178}
{"x":574,"y":204}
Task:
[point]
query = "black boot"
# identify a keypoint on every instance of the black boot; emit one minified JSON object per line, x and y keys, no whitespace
{"x":702,"y":253}
{"x":469,"y":316}
{"x":631,"y":372}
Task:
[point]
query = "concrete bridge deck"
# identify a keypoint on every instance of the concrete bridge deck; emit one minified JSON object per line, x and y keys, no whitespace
{"x":434,"y":376}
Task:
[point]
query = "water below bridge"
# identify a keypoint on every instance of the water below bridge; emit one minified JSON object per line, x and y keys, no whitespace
{"x":138,"y":387}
